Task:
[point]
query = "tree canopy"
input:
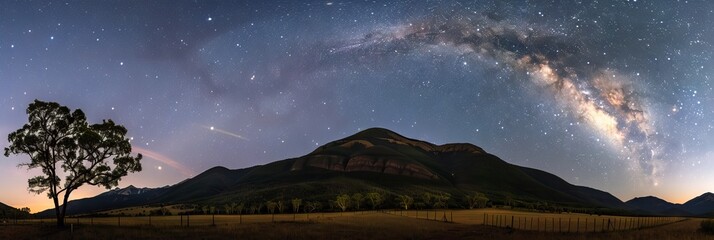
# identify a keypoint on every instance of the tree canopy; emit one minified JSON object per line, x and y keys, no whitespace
{"x":56,"y":137}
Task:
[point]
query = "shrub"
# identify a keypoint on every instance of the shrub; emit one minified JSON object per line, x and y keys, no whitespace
{"x":708,"y":226}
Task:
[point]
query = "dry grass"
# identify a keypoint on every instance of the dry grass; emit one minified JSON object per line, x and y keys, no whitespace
{"x":143,"y":210}
{"x":330,"y":226}
{"x":544,"y":222}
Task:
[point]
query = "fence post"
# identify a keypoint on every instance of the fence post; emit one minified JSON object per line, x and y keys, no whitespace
{"x":512,"y":222}
{"x":452,"y":216}
{"x":594,"y":225}
{"x":119,"y":220}
{"x":577,"y":227}
{"x":632,"y":223}
{"x":586,"y":224}
{"x":531,"y":228}
{"x":602,"y":226}
{"x":213,"y":220}
{"x":484,"y":219}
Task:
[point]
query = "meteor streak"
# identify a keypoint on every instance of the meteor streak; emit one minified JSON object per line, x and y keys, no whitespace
{"x":164,"y":159}
{"x":212,"y":128}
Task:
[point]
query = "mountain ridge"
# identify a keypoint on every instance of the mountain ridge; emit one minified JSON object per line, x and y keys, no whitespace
{"x":375,"y":159}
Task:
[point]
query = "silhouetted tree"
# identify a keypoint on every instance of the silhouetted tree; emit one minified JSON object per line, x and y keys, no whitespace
{"x":56,"y":138}
{"x":357,"y":200}
{"x":238,"y":208}
{"x":281,"y":206}
{"x":228,"y":208}
{"x":24,"y":210}
{"x":375,"y":199}
{"x":271,"y":208}
{"x":254,"y":209}
{"x":165,"y":211}
{"x":509,"y":201}
{"x":427,"y":198}
{"x":405,"y":201}
{"x":206,"y":209}
{"x":438,"y":200}
{"x":476,"y":200}
{"x":343,"y":202}
{"x":312,"y":206}
{"x":296,"y":202}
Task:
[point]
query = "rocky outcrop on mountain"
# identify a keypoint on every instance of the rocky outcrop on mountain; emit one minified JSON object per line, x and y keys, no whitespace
{"x":365,"y":163}
{"x":381,"y":151}
{"x":459,"y":147}
{"x":130,"y":190}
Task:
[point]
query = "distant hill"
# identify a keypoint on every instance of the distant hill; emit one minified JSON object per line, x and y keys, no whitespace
{"x":112,"y":199}
{"x":701,"y":205}
{"x":8,"y":212}
{"x":375,"y":159}
{"x":657,"y":206}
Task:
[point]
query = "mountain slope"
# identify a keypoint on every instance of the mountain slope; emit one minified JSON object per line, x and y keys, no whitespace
{"x":8,"y":212}
{"x":655,"y":205}
{"x":375,"y":159}
{"x":701,"y":205}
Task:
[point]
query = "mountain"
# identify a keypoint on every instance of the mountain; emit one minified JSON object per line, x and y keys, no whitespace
{"x":8,"y":212}
{"x":375,"y":159}
{"x":130,"y":190}
{"x":655,"y":205}
{"x":112,"y":199}
{"x":701,"y":205}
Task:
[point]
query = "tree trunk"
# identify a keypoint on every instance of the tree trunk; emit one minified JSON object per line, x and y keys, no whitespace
{"x":62,"y":213}
{"x":60,"y":218}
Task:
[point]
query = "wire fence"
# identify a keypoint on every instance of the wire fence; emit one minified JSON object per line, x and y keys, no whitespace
{"x":193,"y":220}
{"x":441,"y":215}
{"x":575,"y":224}
{"x":535,"y":221}
{"x":542,"y":222}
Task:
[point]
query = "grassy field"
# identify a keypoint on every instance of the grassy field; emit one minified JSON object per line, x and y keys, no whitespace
{"x":537,"y":221}
{"x":363,"y":225}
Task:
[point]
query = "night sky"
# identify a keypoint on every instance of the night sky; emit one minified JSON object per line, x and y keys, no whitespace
{"x":615,"y":95}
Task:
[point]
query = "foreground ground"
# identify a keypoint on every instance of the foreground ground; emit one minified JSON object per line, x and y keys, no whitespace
{"x":362,"y":226}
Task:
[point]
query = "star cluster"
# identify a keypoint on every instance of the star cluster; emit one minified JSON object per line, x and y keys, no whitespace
{"x":615,"y":95}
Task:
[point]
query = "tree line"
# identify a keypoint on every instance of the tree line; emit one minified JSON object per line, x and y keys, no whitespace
{"x":342,"y":203}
